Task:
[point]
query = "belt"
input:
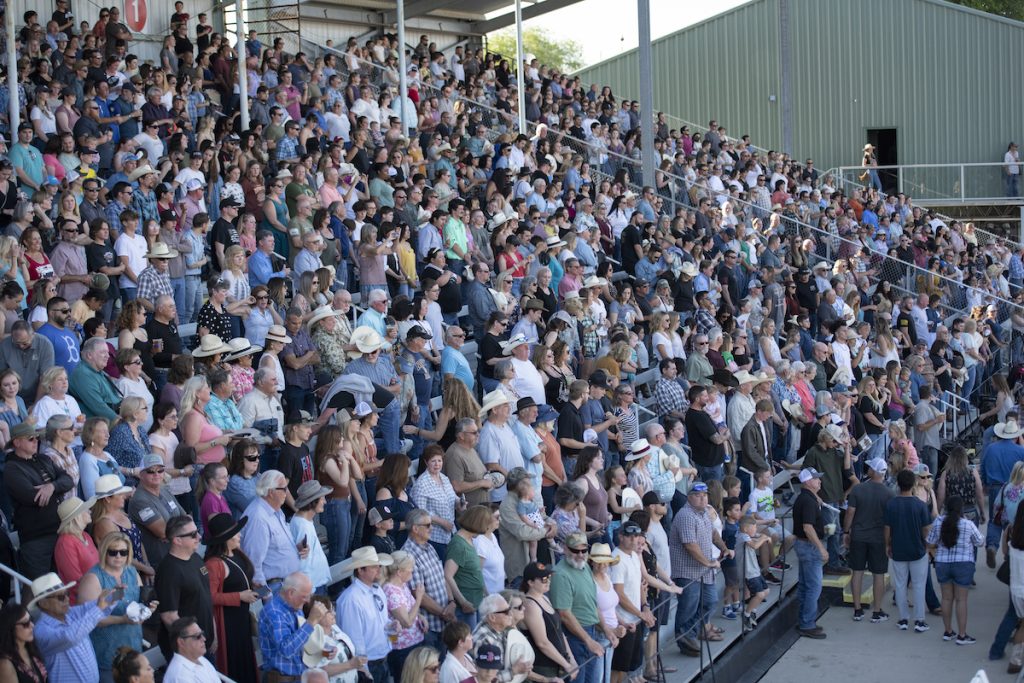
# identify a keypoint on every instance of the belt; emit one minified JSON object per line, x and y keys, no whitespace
{"x":382,"y":660}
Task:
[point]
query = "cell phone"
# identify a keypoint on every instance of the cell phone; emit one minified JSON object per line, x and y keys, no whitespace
{"x":117,"y":595}
{"x":261,"y":591}
{"x":304,"y":543}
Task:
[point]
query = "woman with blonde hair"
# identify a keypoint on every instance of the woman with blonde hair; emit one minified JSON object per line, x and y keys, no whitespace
{"x":196,"y":429}
{"x":234,"y":273}
{"x":12,"y":266}
{"x":56,"y":400}
{"x":423,"y":665}
{"x":404,"y":608}
{"x":331,"y":462}
{"x":461,"y":405}
{"x":871,"y":405}
{"x":75,"y":551}
{"x":132,"y":381}
{"x":129,"y":443}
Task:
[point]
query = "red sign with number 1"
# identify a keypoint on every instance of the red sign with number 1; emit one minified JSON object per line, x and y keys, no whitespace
{"x":135,"y":14}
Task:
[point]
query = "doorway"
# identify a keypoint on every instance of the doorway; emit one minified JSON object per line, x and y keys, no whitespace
{"x":887,"y":154}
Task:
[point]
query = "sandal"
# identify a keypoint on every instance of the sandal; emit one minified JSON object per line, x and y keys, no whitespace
{"x":712,"y":637}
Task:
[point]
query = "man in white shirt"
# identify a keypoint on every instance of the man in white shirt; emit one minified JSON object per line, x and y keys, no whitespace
{"x":1012,"y":161}
{"x":189,"y":665}
{"x":528,"y":380}
{"x":841,"y":353}
{"x":365,"y":106}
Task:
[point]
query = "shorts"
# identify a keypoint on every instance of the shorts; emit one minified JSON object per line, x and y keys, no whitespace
{"x":662,"y":608}
{"x":870,"y":556}
{"x":756,"y":585}
{"x":957,"y":573}
{"x":629,"y":654}
{"x":731,"y":574}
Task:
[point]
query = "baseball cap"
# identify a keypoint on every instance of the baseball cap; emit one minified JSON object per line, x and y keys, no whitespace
{"x":878,"y":465}
{"x":229,"y":202}
{"x":378,"y":513}
{"x":152,"y":460}
{"x":822,"y":411}
{"x":631,"y":529}
{"x":417,"y":332}
{"x":599,"y":378}
{"x":699,"y":487}
{"x":809,"y":473}
{"x":488,"y":657}
{"x":193,"y":184}
{"x":536,"y":570}
{"x":652,"y":498}
{"x":577,"y":539}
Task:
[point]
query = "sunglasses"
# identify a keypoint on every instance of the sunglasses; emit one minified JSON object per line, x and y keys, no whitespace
{"x":579,"y":551}
{"x":193,"y":534}
{"x":111,"y":552}
{"x":252,"y":458}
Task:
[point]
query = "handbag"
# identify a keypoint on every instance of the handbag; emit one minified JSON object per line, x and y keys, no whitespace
{"x":999,"y":514}
{"x":1003,"y":573}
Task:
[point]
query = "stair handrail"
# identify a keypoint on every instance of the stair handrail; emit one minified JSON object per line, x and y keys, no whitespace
{"x":18,"y":580}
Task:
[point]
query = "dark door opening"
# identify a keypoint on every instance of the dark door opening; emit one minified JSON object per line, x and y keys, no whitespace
{"x":886,"y":152}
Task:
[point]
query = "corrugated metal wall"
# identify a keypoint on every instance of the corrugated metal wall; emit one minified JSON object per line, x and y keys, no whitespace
{"x":948,"y":79}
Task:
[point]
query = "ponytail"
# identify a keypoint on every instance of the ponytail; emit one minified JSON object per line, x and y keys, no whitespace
{"x":950,"y":531}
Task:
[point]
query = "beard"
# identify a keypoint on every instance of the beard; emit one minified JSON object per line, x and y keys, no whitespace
{"x":576,"y":563}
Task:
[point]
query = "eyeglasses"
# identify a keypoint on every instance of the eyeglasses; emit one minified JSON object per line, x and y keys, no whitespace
{"x":137,"y":361}
{"x":702,"y":343}
{"x":158,"y":470}
{"x":113,"y":552}
{"x":280,"y":488}
{"x":433,"y":668}
{"x":192,"y":534}
{"x":474,"y":432}
{"x":65,"y":311}
{"x":193,"y":636}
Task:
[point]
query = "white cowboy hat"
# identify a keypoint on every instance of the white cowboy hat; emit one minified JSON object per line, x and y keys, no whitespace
{"x":71,"y":508}
{"x":510,"y":345}
{"x":594,"y":281}
{"x":365,"y":557}
{"x":841,"y":376}
{"x":366,"y":339}
{"x":744,"y":377}
{"x":141,"y":171}
{"x":601,"y":553}
{"x":868,"y":146}
{"x":820,"y":265}
{"x":670,"y":463}
{"x":555,"y":241}
{"x":497,"y":220}
{"x":321,"y":313}
{"x":493,"y":400}
{"x":46,"y":586}
{"x":279,"y":334}
{"x":443,"y":147}
{"x":1008,"y":430}
{"x":210,"y":345}
{"x":630,"y":499}
{"x":313,"y":649}
{"x":161,"y":251}
{"x":793,"y":408}
{"x":240,"y":346}
{"x":110,"y":485}
{"x":639,"y":449}
{"x":689,"y":269}
{"x":837,"y":433}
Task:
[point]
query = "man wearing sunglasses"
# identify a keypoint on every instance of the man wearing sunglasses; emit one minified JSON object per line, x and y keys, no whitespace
{"x":35,"y":486}
{"x":183,"y":586}
{"x":189,"y":662}
{"x":152,"y":507}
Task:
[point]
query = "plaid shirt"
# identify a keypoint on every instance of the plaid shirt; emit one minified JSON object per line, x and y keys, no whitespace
{"x":430,"y":572}
{"x":153,"y":284}
{"x":705,"y":321}
{"x":287,"y":148}
{"x":689,"y":526}
{"x":281,"y":638}
{"x":669,"y":397}
{"x":968,"y":538}
{"x":113,"y":214}
{"x":223,"y":414}
{"x":590,"y":341}
{"x":145,"y":206}
{"x":439,"y":500}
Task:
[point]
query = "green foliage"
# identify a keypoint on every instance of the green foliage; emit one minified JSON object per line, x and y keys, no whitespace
{"x":564,"y":55}
{"x":1011,"y":9}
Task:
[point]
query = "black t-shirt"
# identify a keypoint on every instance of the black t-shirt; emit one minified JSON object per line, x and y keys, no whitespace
{"x":905,"y":323}
{"x":102,"y":256}
{"x":490,"y":347}
{"x":700,"y":428}
{"x":570,"y":426}
{"x":184,"y":586}
{"x":807,"y":510}
{"x":170,"y":347}
{"x":296,"y":464}
{"x":630,"y":238}
{"x":224,"y":232}
{"x":728,"y":279}
{"x":867,"y":406}
{"x":807,"y":295}
{"x":450,"y":296}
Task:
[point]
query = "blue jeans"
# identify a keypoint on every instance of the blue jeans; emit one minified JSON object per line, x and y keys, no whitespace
{"x":994,"y":531}
{"x":590,"y":671}
{"x":1003,"y":634}
{"x":358,"y":519}
{"x":469,"y":620}
{"x":690,"y":613}
{"x":337,"y":519}
{"x":129,"y":294}
{"x":192,"y":301}
{"x":389,"y":427}
{"x":832,"y":543}
{"x":295,"y":399}
{"x":1012,"y":185}
{"x":706,"y":474}
{"x":426,"y":423}
{"x":808,"y":590}
{"x":178,"y":291}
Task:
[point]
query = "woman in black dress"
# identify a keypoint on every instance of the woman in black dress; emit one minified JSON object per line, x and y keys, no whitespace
{"x":230,"y":573}
{"x":8,"y":194}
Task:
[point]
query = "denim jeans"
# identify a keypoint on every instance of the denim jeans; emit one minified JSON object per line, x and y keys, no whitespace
{"x":1003,"y":633}
{"x":808,"y":590}
{"x":917,"y":573}
{"x":192,"y":301}
{"x":1012,"y":185}
{"x":591,"y":671}
{"x":379,"y":671}
{"x":389,"y":427}
{"x":993,"y":531}
{"x":296,"y":398}
{"x":178,"y":292}
{"x":337,"y":519}
{"x":690,"y":613}
{"x":129,"y":294}
{"x":706,"y":474}
{"x":832,"y":543}
{"x":426,"y":423}
{"x":358,"y":519}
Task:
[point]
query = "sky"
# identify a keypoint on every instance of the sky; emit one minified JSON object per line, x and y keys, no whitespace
{"x":588,"y":22}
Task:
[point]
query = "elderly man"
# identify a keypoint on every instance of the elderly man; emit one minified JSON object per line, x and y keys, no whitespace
{"x":331,"y":335}
{"x":429,"y":573}
{"x":62,"y":632}
{"x":266,"y":538}
{"x":261,"y":265}
{"x":741,"y":406}
{"x":376,"y":308}
{"x":574,"y":595}
{"x":663,"y":476}
{"x":308,"y":258}
{"x":342,"y":304}
{"x":152,"y":506}
{"x":154,"y":281}
{"x":28,"y":354}
{"x":97,"y":396}
{"x":669,"y":395}
{"x":478,"y":296}
{"x":496,"y":619}
{"x":379,"y":369}
{"x":698,"y":367}
{"x":690,"y":544}
{"x":164,"y":339}
{"x":498,"y":446}
{"x":362,"y":608}
{"x":831,"y":456}
{"x":262,"y":404}
{"x":182,"y":585}
{"x":189,"y":663}
{"x":453,"y":360}
{"x":281,"y":638}
{"x":528,"y":381}
{"x":35,"y":486}
{"x":463,"y":466}
{"x":299,"y":358}
{"x":221,"y":410}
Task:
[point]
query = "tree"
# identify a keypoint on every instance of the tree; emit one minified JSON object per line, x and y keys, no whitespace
{"x":564,"y":55}
{"x":1011,"y":9}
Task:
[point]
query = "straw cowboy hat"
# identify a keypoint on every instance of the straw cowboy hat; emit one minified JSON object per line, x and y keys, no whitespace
{"x":139,"y":172}
{"x":161,"y":251}
{"x":670,"y":463}
{"x":46,"y":586}
{"x":594,"y":281}
{"x":110,"y":485}
{"x":793,"y":408}
{"x":321,"y":313}
{"x":279,"y":334}
{"x":744,"y":377}
{"x":1008,"y":430}
{"x":493,"y":400}
{"x":601,"y":553}
{"x":210,"y":345}
{"x":689,"y":270}
{"x":240,"y":346}
{"x":365,"y":557}
{"x":497,"y":220}
{"x":630,"y":499}
{"x":639,"y":449}
{"x":365,"y":340}
{"x":71,"y":508}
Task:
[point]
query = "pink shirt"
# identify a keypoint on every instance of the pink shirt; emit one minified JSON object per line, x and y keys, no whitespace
{"x":212,"y":504}
{"x":73,"y":559}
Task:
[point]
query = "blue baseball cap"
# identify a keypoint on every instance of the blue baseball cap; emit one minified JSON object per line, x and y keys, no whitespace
{"x":51,"y":180}
{"x":699,"y":487}
{"x":545,"y":413}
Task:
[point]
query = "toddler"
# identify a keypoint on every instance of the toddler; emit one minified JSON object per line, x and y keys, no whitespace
{"x":529,"y":514}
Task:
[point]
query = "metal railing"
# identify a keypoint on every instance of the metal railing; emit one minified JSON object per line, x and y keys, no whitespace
{"x":940,"y":183}
{"x":18,"y":580}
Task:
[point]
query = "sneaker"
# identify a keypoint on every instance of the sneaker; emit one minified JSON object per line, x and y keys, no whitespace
{"x":921,"y":627}
{"x":752,"y":619}
{"x":772,"y":579}
{"x":878,"y":617}
{"x":858,"y":614}
{"x":902,"y":623}
{"x":965,"y":640}
{"x":729,"y":612}
{"x":948,"y":635}
{"x":781,"y":564}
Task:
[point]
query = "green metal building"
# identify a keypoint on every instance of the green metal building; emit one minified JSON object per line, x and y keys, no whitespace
{"x":926,"y":81}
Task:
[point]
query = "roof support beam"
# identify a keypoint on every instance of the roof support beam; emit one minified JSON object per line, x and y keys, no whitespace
{"x":375,"y":20}
{"x":418,"y":9}
{"x":509,"y":19}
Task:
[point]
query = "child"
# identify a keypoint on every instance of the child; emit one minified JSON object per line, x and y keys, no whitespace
{"x":757,"y":587}
{"x":733,"y":486}
{"x":382,"y":519}
{"x":762,"y":506}
{"x":614,"y":481}
{"x":529,"y":514}
{"x":731,"y":512}
{"x":488,"y":662}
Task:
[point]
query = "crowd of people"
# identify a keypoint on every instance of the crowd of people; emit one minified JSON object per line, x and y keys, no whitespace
{"x":559,"y":407}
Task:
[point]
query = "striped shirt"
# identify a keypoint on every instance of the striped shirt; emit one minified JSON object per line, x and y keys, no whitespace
{"x":968,"y":538}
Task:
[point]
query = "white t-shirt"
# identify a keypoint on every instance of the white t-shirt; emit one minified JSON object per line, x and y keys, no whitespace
{"x":493,"y":563}
{"x":135,"y":248}
{"x":629,"y":573}
{"x":182,"y":670}
{"x":315,"y":565}
{"x":762,"y":503}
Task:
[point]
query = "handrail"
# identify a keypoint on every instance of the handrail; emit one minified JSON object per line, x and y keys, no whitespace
{"x":18,"y":580}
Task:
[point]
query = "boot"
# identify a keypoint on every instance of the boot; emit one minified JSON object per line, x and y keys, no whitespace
{"x":1016,"y":659}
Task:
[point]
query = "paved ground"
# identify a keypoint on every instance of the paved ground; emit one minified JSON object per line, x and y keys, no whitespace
{"x":860,"y":652}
